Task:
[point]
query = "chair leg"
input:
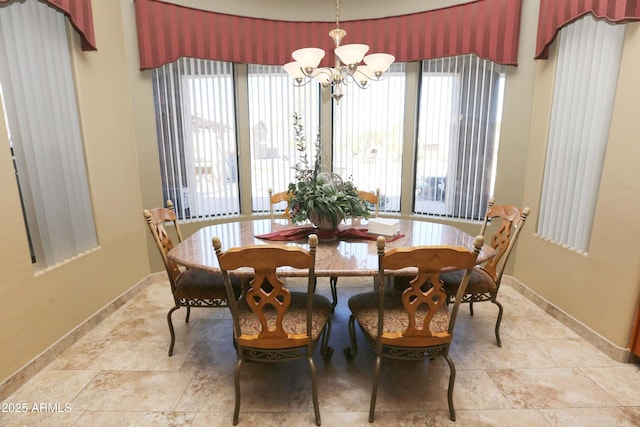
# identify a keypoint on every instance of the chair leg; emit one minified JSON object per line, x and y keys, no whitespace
{"x":173,"y":334}
{"x":374,"y":391}
{"x":452,"y":380}
{"x":314,"y":389}
{"x":236,"y":380}
{"x":471,"y":308}
{"x":186,"y":320}
{"x":498,"y":321}
{"x":333,"y":281}
{"x":350,"y":352}
{"x":325,"y":350}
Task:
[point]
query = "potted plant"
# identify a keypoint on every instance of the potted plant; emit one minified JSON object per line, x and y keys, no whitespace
{"x":323,"y":198}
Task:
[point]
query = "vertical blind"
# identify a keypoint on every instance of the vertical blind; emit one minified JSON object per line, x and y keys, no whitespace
{"x":39,"y":91}
{"x":197,"y":139}
{"x":368,"y":134}
{"x":273,"y":101}
{"x":460,"y":112}
{"x":587,"y":72}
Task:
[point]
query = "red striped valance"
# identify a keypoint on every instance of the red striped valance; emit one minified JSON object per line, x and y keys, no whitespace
{"x":555,"y":14}
{"x":80,"y":16}
{"x":166,"y":32}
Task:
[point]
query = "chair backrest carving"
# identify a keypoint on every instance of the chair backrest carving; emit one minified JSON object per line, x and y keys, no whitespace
{"x":425,"y":294}
{"x":156,"y":219}
{"x":267,"y":292}
{"x":505,"y":237}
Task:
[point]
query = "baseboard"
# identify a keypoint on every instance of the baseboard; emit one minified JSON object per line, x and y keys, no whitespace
{"x":601,"y":343}
{"x":24,"y":374}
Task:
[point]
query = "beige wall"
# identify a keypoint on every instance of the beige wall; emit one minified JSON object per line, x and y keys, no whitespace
{"x":116,"y":105}
{"x":600,"y":289}
{"x":41,"y":307}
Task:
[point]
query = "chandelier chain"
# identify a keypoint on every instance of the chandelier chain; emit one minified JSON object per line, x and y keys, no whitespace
{"x":337,"y":13}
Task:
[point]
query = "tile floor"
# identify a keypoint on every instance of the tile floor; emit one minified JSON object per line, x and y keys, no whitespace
{"x":119,"y":374}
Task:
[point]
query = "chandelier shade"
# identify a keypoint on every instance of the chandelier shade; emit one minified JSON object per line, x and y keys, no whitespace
{"x":308,"y":57}
{"x":349,"y":67}
{"x":351,"y":54}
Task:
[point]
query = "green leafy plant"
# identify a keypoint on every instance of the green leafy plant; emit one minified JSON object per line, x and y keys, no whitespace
{"x":320,"y":196}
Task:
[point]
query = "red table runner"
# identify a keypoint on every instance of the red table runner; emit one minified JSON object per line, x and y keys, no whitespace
{"x":300,"y":233}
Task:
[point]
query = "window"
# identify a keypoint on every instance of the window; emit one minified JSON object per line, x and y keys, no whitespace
{"x":273,"y":101}
{"x":455,"y":152}
{"x":197,"y":141}
{"x":41,"y":113}
{"x":458,"y":132}
{"x":368,"y":134}
{"x":586,"y":77}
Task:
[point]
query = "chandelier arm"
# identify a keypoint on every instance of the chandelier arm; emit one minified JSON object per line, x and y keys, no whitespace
{"x":302,"y":82}
{"x":352,"y":79}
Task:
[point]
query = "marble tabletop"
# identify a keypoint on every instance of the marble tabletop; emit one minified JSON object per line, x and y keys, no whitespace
{"x":349,"y":257}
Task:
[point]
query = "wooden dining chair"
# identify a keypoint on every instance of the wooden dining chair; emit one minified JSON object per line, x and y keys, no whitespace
{"x":484,"y":283}
{"x":189,"y":287}
{"x":270,"y":322}
{"x":374,"y":200}
{"x":277,"y":198}
{"x":414,"y":323}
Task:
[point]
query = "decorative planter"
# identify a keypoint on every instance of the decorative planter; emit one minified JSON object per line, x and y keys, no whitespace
{"x":324,"y":227}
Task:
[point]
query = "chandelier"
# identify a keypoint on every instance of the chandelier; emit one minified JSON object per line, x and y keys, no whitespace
{"x":348,"y":67}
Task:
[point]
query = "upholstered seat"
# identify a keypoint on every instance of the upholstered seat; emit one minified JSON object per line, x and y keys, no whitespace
{"x":294,"y":320}
{"x":480,"y":282}
{"x":364,"y":308}
{"x":199,"y":284}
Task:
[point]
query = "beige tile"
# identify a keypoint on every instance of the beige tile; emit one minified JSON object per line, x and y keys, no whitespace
{"x":593,"y":417}
{"x":621,"y":382}
{"x":500,"y":418}
{"x":80,"y":356}
{"x":574,"y":352}
{"x":143,"y":327}
{"x":208,"y":356}
{"x":120,"y":355}
{"x":514,"y":354}
{"x":51,"y":418}
{"x":53,"y":386}
{"x":262,"y":419}
{"x":344,"y":419}
{"x":133,"y":391}
{"x":549,"y":388}
{"x":535,"y":326}
{"x":137,"y":419}
{"x":209,"y":392}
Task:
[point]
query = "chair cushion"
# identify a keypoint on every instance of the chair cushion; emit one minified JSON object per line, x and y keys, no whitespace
{"x":480,"y":282}
{"x":295,"y":320}
{"x":199,"y":284}
{"x":365,"y":309}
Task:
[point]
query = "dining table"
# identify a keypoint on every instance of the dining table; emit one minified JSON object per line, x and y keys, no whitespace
{"x":353,"y":252}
